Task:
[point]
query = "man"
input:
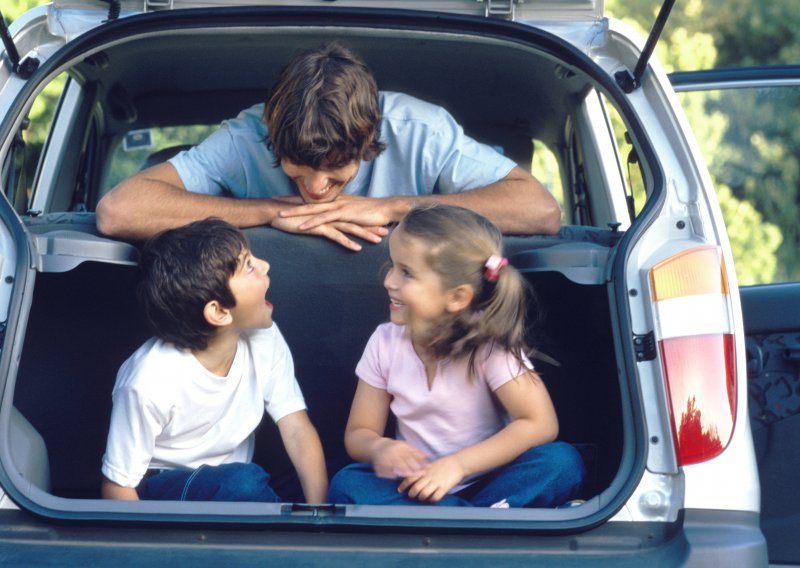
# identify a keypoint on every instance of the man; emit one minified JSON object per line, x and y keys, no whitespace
{"x":329,"y":155}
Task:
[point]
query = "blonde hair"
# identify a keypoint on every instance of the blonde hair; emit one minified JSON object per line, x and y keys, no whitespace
{"x":458,"y":244}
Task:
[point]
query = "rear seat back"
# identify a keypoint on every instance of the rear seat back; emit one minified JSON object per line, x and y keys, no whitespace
{"x":328,"y":301}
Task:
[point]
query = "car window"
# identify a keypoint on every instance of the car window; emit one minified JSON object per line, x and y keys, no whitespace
{"x":544,"y":166}
{"x":28,"y":145}
{"x":131,"y":151}
{"x":750,"y":137}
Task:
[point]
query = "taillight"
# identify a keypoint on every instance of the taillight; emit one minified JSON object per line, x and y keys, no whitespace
{"x":694,"y":333}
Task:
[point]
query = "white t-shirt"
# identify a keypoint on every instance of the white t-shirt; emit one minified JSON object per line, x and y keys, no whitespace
{"x":454,"y":413}
{"x":171,"y":412}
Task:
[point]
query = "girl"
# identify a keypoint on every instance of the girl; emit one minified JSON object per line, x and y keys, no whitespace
{"x":475,"y":424}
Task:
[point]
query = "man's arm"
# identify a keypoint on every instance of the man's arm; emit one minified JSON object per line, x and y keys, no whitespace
{"x":517,"y":204}
{"x":111,"y":490}
{"x":155,"y":200}
{"x":305,"y":450}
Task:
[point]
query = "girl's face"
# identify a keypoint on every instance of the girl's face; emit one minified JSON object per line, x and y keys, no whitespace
{"x":417,"y":297}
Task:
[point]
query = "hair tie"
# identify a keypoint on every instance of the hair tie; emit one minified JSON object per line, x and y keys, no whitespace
{"x":492,"y":267}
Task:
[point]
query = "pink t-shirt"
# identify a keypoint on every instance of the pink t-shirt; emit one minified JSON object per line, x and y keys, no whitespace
{"x":455,"y":412}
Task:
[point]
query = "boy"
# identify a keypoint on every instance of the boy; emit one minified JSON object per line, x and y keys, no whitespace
{"x":187,"y":402}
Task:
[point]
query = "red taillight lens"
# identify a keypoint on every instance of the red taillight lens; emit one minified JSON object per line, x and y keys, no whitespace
{"x":694,"y":330}
{"x":702,"y":388}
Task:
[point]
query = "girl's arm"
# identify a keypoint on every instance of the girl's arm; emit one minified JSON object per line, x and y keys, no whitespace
{"x":533,"y":422}
{"x":364,"y":436}
{"x":302,"y":443}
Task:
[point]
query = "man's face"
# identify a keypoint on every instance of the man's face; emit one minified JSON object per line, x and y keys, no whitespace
{"x":319,"y":186}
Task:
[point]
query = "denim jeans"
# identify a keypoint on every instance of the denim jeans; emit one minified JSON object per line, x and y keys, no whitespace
{"x":544,"y":476}
{"x":226,"y":482}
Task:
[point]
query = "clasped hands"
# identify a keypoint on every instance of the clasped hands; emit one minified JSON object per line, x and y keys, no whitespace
{"x":422,"y":479}
{"x":338,"y":220}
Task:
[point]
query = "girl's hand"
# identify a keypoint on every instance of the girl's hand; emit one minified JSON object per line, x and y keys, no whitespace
{"x":394,"y":458}
{"x":435,"y":481}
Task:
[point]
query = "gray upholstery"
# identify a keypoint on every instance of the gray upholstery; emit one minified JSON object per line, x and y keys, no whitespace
{"x":327,"y":303}
{"x":28,"y":451}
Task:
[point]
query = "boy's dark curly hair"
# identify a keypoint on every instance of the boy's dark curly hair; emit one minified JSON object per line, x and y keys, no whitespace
{"x":181,"y":271}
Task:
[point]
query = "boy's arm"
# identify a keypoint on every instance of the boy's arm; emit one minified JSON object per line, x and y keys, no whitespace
{"x":305,"y":450}
{"x":111,"y":490}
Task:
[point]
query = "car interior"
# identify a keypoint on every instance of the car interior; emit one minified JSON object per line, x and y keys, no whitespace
{"x":84,"y":320}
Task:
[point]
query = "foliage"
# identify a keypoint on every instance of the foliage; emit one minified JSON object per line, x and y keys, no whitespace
{"x":13,"y":9}
{"x":750,"y":142}
{"x":41,"y":111}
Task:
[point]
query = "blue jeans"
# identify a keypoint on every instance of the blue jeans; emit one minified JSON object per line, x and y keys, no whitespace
{"x":544,"y":476}
{"x":226,"y":482}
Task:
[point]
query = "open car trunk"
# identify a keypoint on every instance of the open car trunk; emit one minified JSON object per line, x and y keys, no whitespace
{"x":327,"y":303}
{"x":506,"y":83}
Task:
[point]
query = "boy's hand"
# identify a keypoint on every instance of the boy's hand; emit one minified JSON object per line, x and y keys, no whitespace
{"x":394,"y":458}
{"x":435,"y":481}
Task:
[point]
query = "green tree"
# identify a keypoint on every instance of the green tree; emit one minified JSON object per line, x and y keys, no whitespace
{"x":750,"y":173}
{"x":41,"y":112}
{"x":13,"y":9}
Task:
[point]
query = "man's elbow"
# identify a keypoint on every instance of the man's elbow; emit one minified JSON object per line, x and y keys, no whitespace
{"x":108,"y":216}
{"x":551,"y":219}
{"x":543,"y":218}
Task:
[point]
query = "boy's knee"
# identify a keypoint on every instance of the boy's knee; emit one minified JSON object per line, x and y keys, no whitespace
{"x":244,"y":482}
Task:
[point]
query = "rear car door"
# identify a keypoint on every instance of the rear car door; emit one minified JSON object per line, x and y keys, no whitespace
{"x":747,"y":123}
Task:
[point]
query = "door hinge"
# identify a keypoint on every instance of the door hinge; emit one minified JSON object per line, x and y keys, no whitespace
{"x":153,"y":5}
{"x":501,"y":8}
{"x":645,"y":346}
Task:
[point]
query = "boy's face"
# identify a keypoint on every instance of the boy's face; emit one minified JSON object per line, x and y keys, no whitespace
{"x":319,"y":186}
{"x":249,"y":286}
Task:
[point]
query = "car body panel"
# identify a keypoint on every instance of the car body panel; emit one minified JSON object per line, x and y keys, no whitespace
{"x":771,"y":315}
{"x":654,"y":510}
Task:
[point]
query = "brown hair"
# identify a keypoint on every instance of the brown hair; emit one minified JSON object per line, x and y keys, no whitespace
{"x":323,"y":111}
{"x":459,"y":242}
{"x":181,"y":271}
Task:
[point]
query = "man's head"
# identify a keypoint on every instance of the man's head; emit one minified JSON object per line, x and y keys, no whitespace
{"x":323,"y":116}
{"x":185,"y":269}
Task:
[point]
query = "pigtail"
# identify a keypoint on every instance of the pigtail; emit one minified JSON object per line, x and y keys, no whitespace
{"x":498,"y":316}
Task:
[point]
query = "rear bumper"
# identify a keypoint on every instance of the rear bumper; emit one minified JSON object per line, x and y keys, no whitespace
{"x":720,"y":538}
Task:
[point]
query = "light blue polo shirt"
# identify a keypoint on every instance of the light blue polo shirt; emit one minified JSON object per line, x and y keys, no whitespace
{"x":426,"y":152}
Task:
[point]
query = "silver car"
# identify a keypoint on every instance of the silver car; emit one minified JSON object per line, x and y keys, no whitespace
{"x":643,"y":311}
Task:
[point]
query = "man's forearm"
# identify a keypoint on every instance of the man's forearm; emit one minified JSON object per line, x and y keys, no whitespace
{"x":160,"y":207}
{"x":517,"y":204}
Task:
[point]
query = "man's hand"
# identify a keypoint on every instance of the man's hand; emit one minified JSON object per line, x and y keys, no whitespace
{"x":362,"y":211}
{"x":394,"y":458}
{"x":292,"y":222}
{"x":435,"y":481}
